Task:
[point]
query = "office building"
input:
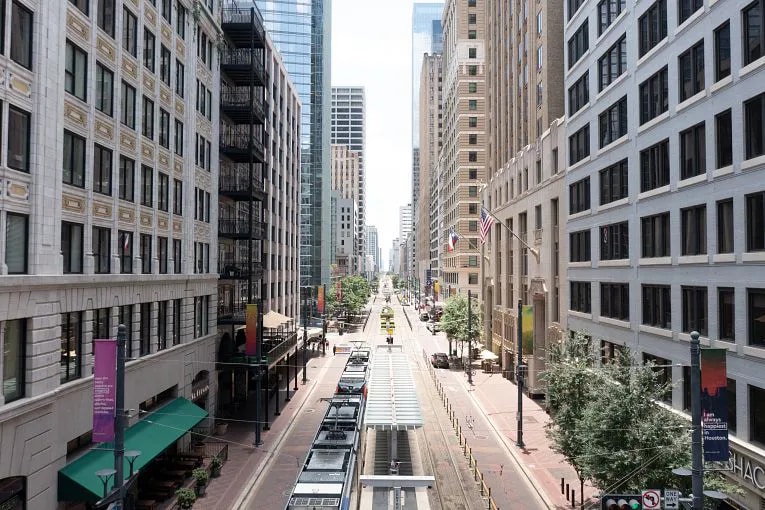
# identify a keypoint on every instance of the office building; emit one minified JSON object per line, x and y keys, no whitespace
{"x":394,"y":258}
{"x":373,"y":247}
{"x":464,"y":140}
{"x":301,"y":33}
{"x":109,"y":215}
{"x":404,"y":221}
{"x":666,"y":173}
{"x":346,"y":250}
{"x":346,"y":177}
{"x":348,"y":128}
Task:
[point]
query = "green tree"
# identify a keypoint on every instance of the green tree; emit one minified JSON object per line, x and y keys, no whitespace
{"x":454,"y":320}
{"x":354,"y":296}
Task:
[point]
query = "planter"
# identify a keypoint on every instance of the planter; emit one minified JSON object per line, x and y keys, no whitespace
{"x":200,"y":490}
{"x":185,"y":498}
{"x":221,"y":428}
{"x":215,"y":471}
{"x":199,"y":448}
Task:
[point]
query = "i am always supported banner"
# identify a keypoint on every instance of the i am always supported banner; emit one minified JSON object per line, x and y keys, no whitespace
{"x":714,"y":405}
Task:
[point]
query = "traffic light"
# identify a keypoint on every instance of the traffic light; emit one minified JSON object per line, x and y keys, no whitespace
{"x":621,"y":502}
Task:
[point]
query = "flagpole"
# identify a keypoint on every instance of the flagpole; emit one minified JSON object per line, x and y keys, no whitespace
{"x":534,"y":251}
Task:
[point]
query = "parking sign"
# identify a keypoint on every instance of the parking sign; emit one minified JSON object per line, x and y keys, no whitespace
{"x":671,"y":499}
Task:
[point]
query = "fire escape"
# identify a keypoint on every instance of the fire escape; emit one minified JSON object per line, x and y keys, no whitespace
{"x":242,"y":196}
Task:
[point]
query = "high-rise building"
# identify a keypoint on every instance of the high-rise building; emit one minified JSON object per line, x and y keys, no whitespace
{"x":463,"y":149}
{"x":109,"y":216}
{"x":301,"y":32}
{"x":666,"y":175}
{"x":373,"y":246}
{"x":395,"y":256}
{"x":347,"y":260}
{"x":346,"y":174}
{"x":427,"y":38}
{"x":348,"y":128}
{"x":404,"y":221}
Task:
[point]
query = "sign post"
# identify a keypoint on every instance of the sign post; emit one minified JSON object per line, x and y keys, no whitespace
{"x":651,"y":499}
{"x":671,"y":499}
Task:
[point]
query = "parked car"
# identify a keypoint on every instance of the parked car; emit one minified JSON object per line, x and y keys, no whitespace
{"x":433,"y":326}
{"x":439,"y":360}
{"x":424,"y":316}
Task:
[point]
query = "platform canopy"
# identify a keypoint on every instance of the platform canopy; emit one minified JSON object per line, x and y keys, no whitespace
{"x":274,"y":319}
{"x":392,"y":402}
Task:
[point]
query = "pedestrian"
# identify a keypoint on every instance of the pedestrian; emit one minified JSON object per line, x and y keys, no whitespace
{"x":334,"y":350}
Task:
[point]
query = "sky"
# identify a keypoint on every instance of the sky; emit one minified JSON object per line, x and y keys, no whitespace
{"x":372,"y":47}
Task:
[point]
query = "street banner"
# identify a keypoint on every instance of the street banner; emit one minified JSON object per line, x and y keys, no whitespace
{"x":320,"y":300}
{"x":527,"y":331}
{"x":251,"y":330}
{"x":436,"y":289}
{"x":714,"y":405}
{"x":339,"y":291}
{"x":104,"y":389}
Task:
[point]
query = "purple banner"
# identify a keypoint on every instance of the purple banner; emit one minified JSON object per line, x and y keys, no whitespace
{"x":714,"y":404}
{"x":104,"y":389}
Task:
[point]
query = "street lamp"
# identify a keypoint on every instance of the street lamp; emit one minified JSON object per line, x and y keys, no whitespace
{"x":104,"y":475}
{"x":131,"y":456}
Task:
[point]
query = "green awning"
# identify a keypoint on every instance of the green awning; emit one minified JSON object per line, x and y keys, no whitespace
{"x":152,"y":435}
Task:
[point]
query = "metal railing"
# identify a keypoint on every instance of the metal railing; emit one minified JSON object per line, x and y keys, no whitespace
{"x":237,"y":178}
{"x":235,"y":226}
{"x":243,"y":57}
{"x":239,"y":97}
{"x":235,"y":14}
{"x":239,"y":141}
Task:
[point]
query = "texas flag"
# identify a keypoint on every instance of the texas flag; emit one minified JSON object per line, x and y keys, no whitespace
{"x":453,"y":238}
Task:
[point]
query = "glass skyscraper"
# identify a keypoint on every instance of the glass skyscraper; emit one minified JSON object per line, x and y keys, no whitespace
{"x":301,"y":31}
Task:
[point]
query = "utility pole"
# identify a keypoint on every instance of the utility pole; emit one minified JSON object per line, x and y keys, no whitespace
{"x":305,"y":330}
{"x":519,"y":375}
{"x":697,"y":464}
{"x":324,"y":323}
{"x":258,"y":440}
{"x":470,"y":339}
{"x":119,"y":415}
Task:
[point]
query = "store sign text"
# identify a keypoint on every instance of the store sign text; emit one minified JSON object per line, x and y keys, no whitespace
{"x":750,"y":470}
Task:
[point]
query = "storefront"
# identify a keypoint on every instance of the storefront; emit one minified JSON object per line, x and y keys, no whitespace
{"x":747,"y":469}
{"x":13,"y":493}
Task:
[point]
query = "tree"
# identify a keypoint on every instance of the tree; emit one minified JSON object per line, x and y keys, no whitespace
{"x":354,"y":296}
{"x":454,"y":320}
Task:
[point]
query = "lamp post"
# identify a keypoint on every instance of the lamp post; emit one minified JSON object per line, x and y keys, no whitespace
{"x":305,"y":330}
{"x":519,"y":369}
{"x":131,"y":455}
{"x":324,"y":323}
{"x":104,"y":475}
{"x":697,"y":463}
{"x":470,"y":338}
{"x":119,"y":415}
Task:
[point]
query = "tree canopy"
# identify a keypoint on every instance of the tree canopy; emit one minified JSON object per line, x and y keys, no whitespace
{"x":354,"y":296}
{"x":454,"y":319}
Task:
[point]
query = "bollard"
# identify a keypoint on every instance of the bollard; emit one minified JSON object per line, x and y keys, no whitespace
{"x":573,"y":499}
{"x":567,"y":493}
{"x":562,"y":482}
{"x":475,"y":474}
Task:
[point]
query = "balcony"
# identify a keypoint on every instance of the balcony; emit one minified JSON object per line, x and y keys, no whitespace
{"x":234,"y":182}
{"x":239,"y":228}
{"x":231,"y":267}
{"x":232,"y":312}
{"x":244,"y":66}
{"x":240,"y":147}
{"x":235,"y":104}
{"x":243,"y":26}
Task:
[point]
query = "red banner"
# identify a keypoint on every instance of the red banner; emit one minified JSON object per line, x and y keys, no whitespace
{"x":320,"y":300}
{"x":104,"y":389}
{"x":339,"y":291}
{"x":251,"y":330}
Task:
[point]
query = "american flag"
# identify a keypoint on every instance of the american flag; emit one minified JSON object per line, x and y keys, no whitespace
{"x":487,"y":220}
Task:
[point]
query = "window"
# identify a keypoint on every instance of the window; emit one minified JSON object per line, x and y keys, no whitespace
{"x":579,"y":145}
{"x":14,"y":358}
{"x":615,"y":300}
{"x":754,"y":126}
{"x":652,"y":26}
{"x":164,"y":128}
{"x":539,"y":23}
{"x":162,"y":253}
{"x":102,"y":170}
{"x":76,"y":71}
{"x":472,"y":87}
{"x":179,"y":78}
{"x":754,"y":35}
{"x":104,"y":90}
{"x":579,"y":94}
{"x":472,"y":52}
{"x":472,"y":34}
{"x":615,"y":241}
{"x":167,"y":8}
{"x":579,"y":243}
{"x":472,"y":278}
{"x":105,"y":16}
{"x":146,"y":253}
{"x":472,"y":122}
{"x":177,"y":256}
{"x":128,"y":105}
{"x":177,"y":321}
{"x":147,"y":121}
{"x":71,"y":346}
{"x":74,"y":159}
{"x":471,"y":19}
{"x":178,"y":137}
{"x":725,"y":226}
{"x":654,"y":166}
{"x":125,"y":314}
{"x":164,"y":64}
{"x":614,"y":182}
{"x":722,"y":51}
{"x":756,"y":309}
{"x":687,"y":7}
{"x":145,"y":334}
{"x":21,"y":35}
{"x":579,"y":196}
{"x":472,"y":70}
{"x":180,"y":19}
{"x":608,"y":11}
{"x":695,"y":310}
{"x":655,"y":235}
{"x":657,"y":308}
{"x":472,"y":208}
{"x":472,"y":104}
{"x":102,"y":252}
{"x":19,"y":124}
{"x":691,"y":71}
{"x":472,"y":139}
{"x":71,"y":246}
{"x":129,"y":32}
{"x":725,"y":314}
{"x":580,"y":297}
{"x":663,"y":368}
{"x":613,"y":122}
{"x":16,"y":242}
{"x":692,"y":152}
{"x":163,"y":192}
{"x":730,"y":394}
{"x":578,"y":44}
{"x":540,"y":55}
{"x":149,"y":49}
{"x":472,"y":174}
{"x":127,"y":178}
{"x":613,"y":63}
{"x":472,"y":226}
{"x":694,"y":230}
{"x":573,"y":6}
{"x":654,"y":96}
{"x":724,"y":139}
{"x":147,"y":186}
{"x":82,"y":5}
{"x":755,"y":222}
{"x":125,"y":240}
{"x":472,"y":156}
{"x":162,"y":309}
{"x":177,"y":197}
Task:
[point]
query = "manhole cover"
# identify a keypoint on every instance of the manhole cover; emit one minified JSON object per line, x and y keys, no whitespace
{"x":310,"y":410}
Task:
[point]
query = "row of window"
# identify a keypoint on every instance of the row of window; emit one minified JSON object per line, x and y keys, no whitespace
{"x":655,"y":232}
{"x":106,"y":14}
{"x":16,"y":339}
